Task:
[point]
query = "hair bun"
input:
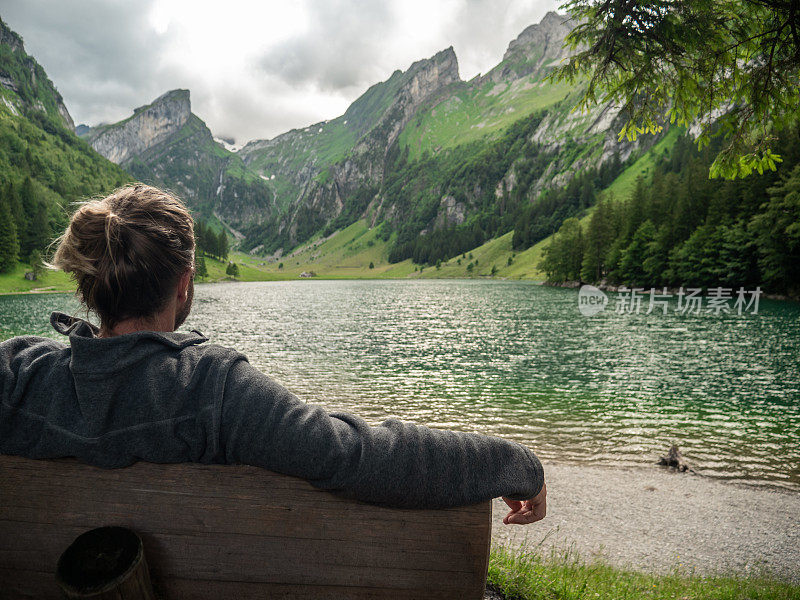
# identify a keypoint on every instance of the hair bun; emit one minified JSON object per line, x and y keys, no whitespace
{"x":127,"y":251}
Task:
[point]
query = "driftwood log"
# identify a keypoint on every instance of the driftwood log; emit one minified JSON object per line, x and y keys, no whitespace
{"x":674,"y":459}
{"x":106,"y":563}
{"x":236,"y":532}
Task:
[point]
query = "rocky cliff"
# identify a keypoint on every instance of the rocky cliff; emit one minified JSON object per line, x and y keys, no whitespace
{"x":150,"y":125}
{"x":536,"y":50}
{"x":321,"y":167}
{"x":165,"y":144}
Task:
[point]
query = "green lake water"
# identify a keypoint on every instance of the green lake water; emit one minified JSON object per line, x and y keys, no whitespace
{"x":517,"y":360}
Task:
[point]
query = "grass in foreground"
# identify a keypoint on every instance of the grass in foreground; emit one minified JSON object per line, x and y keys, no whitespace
{"x":528,"y":575}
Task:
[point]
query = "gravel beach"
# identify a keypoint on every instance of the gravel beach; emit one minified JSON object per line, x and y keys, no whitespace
{"x":655,"y":520}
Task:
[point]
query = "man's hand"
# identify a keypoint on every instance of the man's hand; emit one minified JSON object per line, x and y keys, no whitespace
{"x":528,"y":511}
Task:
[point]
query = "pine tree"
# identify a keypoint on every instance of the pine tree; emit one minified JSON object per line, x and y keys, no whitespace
{"x":39,"y":231}
{"x":684,"y":62}
{"x":637,"y":252}
{"x":200,"y":238}
{"x":200,"y":269}
{"x":37,"y":228}
{"x":222,"y":245}
{"x":15,"y":204}
{"x":37,"y":264}
{"x":599,"y":237}
{"x":563,"y":258}
{"x":9,"y":244}
{"x":778,"y":234}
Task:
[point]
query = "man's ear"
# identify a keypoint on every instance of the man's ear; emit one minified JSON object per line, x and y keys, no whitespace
{"x":183,"y":285}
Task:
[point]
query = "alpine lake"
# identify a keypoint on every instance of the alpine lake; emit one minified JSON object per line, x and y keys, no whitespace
{"x":518,"y":360}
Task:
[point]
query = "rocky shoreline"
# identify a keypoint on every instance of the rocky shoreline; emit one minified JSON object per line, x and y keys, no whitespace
{"x":662,"y":521}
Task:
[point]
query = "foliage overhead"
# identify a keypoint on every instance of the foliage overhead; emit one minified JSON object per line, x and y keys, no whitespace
{"x":732,"y":62}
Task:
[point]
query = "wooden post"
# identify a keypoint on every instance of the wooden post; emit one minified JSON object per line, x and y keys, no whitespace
{"x":104,"y":564}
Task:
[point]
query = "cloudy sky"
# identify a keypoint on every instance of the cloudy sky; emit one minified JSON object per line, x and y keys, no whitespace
{"x":255,"y":68}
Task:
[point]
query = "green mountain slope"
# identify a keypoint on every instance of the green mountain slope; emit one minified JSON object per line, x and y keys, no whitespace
{"x":442,"y":164}
{"x":479,"y":112}
{"x":332,"y":170}
{"x":43,"y":165}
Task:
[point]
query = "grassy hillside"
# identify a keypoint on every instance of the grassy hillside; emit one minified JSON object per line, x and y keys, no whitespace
{"x":317,"y":145}
{"x":478,"y":112}
{"x":26,"y":84}
{"x":348,"y":253}
{"x":50,"y":281}
{"x":35,"y":142}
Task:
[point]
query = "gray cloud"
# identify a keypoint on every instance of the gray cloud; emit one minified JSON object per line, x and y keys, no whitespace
{"x":342,"y":47}
{"x":106,"y":58}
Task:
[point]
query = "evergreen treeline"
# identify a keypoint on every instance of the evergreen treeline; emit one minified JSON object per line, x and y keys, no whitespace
{"x":545,"y":215}
{"x":211,"y":243}
{"x":42,"y":170}
{"x":684,"y":229}
{"x":469,"y":174}
{"x":24,"y":223}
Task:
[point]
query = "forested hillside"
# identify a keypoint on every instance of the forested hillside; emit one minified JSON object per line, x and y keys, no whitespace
{"x":43,"y":165}
{"x":684,"y":229}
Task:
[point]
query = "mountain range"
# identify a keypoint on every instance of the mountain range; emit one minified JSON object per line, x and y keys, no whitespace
{"x":314,"y":180}
{"x":424,"y":175}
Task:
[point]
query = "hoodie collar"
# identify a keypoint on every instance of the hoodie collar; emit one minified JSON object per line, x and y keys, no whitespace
{"x":90,"y":351}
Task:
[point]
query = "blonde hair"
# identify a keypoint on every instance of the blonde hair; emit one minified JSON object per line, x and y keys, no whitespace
{"x":127,"y":251}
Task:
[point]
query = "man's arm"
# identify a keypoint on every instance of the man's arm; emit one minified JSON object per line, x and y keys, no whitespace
{"x":396,"y":464}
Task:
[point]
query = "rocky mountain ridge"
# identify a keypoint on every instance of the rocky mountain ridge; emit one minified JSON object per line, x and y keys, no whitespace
{"x":44,"y":166}
{"x":537,"y":49}
{"x":165,"y":144}
{"x":150,"y":125}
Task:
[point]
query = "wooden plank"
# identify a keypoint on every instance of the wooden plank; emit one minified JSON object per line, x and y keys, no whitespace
{"x":236,"y":531}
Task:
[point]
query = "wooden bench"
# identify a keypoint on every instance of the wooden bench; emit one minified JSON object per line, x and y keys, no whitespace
{"x":236,"y":532}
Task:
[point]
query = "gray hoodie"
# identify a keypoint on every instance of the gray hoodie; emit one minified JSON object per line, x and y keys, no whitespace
{"x":173,"y":397}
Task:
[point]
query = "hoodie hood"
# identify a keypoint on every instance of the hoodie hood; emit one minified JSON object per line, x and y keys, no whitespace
{"x":92,"y":354}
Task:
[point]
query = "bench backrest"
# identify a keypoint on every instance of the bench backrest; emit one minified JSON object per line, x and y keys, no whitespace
{"x":236,"y":532}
